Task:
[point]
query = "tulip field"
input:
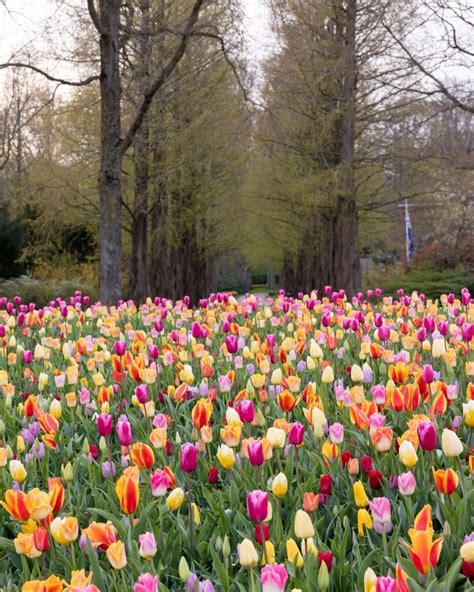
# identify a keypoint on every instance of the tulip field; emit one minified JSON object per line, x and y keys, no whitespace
{"x":315,"y":443}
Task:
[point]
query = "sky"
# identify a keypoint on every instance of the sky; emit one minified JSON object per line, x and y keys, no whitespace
{"x":26,"y":20}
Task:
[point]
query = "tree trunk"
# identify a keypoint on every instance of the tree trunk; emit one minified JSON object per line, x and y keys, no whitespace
{"x":139,"y":275}
{"x":347,"y":262}
{"x":110,"y":243}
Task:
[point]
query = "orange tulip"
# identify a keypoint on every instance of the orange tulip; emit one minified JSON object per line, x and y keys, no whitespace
{"x":402,"y":579}
{"x":310,"y":501}
{"x":286,"y":401}
{"x":101,"y":535}
{"x":56,"y":494}
{"x":423,"y":551}
{"x":231,"y":434}
{"x":142,"y":455}
{"x":15,"y":504}
{"x":49,"y":424}
{"x":399,"y":373}
{"x":52,"y":584}
{"x":446,"y":481}
{"x":128,"y":493}
{"x":201,"y":413}
{"x":382,"y":438}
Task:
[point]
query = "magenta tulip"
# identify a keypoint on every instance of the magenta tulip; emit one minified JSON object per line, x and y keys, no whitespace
{"x":188,"y":458}
{"x":257,"y":505}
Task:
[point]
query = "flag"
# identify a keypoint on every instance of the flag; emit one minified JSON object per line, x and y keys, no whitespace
{"x":410,"y":242}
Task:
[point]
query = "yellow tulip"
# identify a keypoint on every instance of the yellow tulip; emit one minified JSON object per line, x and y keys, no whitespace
{"x":304,"y":528}
{"x":451,"y":444}
{"x":370,"y":580}
{"x":225,"y":456}
{"x":468,"y":413}
{"x":364,"y":522}
{"x":356,"y":373}
{"x":269,"y":553}
{"x":328,"y":375}
{"x":116,"y":555}
{"x":280,"y":485}
{"x":293,"y":553}
{"x":439,"y":348}
{"x":17,"y":471}
{"x":248,"y":556}
{"x":37,"y":504}
{"x":175,"y":499}
{"x":360,"y":497}
{"x":64,"y":530}
{"x":407,"y":454}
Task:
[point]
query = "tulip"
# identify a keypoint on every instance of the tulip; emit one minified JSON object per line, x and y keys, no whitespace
{"x":128,"y":494}
{"x":367,"y":465}
{"x":255,"y":453}
{"x":438,"y":348}
{"x":304,"y":528}
{"x":423,"y":551}
{"x":451,"y":444}
{"x":276,"y":437}
{"x":468,"y":413}
{"x":248,"y":557}
{"x":124,"y":431}
{"x":64,"y":530}
{"x":325,"y":484}
{"x":375,"y":479}
{"x":257,"y":505}
{"x":104,"y":424}
{"x":280,"y":485}
{"x":142,"y":455}
{"x":407,"y":454}
{"x":427,"y":436}
{"x":293,"y":553}
{"x":466,"y":553}
{"x":274,"y":578}
{"x":246,"y":411}
{"x":55,"y":494}
{"x":364,"y":522}
{"x":37,"y":504}
{"x":116,"y":555}
{"x":327,"y":557}
{"x":360,"y":497}
{"x":327,"y":376}
{"x":146,"y":583}
{"x":41,"y":539}
{"x":296,"y":434}
{"x":100,"y":535}
{"x":188,"y":458}
{"x":357,"y":374}
{"x":446,"y":481}
{"x":24,"y":545}
{"x":370,"y":580}
{"x":381,"y":514}
{"x":161,"y":481}
{"x":386,"y":584}
{"x":406,"y":483}
{"x":175,"y":499}
{"x":147,"y":545}
{"x":225,"y":456}
{"x":17,"y":471}
{"x":336,"y":433}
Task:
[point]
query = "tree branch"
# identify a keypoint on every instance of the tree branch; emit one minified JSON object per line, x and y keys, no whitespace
{"x":162,"y":78}
{"x":95,"y":17}
{"x":441,"y":88}
{"x":84,"y":82}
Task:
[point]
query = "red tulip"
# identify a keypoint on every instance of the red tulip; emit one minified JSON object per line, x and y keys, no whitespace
{"x":325,"y":484}
{"x":213,"y":476}
{"x":375,"y":479}
{"x":327,"y":557}
{"x":262,"y":532}
{"x":366,"y":463}
{"x":41,"y":539}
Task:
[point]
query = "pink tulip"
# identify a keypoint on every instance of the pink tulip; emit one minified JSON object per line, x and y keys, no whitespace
{"x":120,"y":348}
{"x":104,"y":424}
{"x":378,"y":394}
{"x":146,"y":583}
{"x":386,"y":584}
{"x":274,"y":578}
{"x":147,"y":545}
{"x":427,"y":436}
{"x":141,"y":392}
{"x":188,"y":457}
{"x":296,"y":434}
{"x":124,"y":431}
{"x":231,"y":343}
{"x":160,"y":482}
{"x":246,"y":411}
{"x":406,"y":483}
{"x":257,"y":505}
{"x":196,"y":330}
{"x":381,"y":514}
{"x":255,"y":452}
{"x":27,"y":356}
{"x":336,"y":433}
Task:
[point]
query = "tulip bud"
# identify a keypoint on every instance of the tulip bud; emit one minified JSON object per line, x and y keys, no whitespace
{"x":323,"y":576}
{"x":85,"y":446}
{"x":102,"y":444}
{"x":451,"y":444}
{"x":226,"y":550}
{"x":183,"y":569}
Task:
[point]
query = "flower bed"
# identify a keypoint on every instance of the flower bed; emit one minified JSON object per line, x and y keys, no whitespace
{"x":311,"y":443}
